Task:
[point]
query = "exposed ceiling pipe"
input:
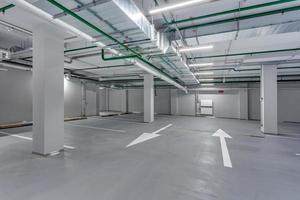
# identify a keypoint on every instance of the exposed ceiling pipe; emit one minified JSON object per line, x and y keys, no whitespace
{"x":141,"y":63}
{"x":15,"y":66}
{"x":232,"y":11}
{"x":252,"y":16}
{"x":83,"y":7}
{"x":7,"y":7}
{"x":246,"y":53}
{"x":46,"y":16}
{"x":103,"y":67}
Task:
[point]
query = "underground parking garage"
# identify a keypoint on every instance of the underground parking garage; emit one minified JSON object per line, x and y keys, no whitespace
{"x":149,"y":99}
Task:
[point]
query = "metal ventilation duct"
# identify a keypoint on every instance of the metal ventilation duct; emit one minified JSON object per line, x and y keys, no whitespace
{"x":124,"y":14}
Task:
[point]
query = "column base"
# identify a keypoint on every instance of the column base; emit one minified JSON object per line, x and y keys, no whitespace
{"x":49,"y":154}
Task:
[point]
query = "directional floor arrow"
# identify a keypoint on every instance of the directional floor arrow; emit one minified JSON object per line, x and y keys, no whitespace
{"x":225,"y":154}
{"x":147,"y":136}
{"x":142,"y":138}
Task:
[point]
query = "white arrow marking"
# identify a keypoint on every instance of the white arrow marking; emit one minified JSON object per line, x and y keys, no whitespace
{"x":147,"y":136}
{"x":225,"y":154}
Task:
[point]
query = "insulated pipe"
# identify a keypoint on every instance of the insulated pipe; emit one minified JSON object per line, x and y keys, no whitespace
{"x":152,"y":69}
{"x":238,"y":10}
{"x":15,"y":66}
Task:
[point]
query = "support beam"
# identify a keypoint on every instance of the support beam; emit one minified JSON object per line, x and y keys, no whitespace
{"x":48,"y":89}
{"x":269,"y":99}
{"x":148,"y":98}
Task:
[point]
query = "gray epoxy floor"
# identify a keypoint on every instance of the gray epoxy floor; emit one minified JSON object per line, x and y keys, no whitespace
{"x":184,"y":163}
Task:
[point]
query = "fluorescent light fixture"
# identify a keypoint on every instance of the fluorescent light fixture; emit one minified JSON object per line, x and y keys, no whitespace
{"x":175,"y":6}
{"x":207,"y":84}
{"x":207,"y":79}
{"x":201,"y":64}
{"x":204,"y":73}
{"x":197,"y":48}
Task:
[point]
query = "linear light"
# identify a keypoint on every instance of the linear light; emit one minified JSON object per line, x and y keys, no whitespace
{"x":207,"y":84}
{"x":197,"y":48}
{"x":201,"y":64}
{"x":204,"y":73}
{"x":175,"y":6}
{"x":207,"y":79}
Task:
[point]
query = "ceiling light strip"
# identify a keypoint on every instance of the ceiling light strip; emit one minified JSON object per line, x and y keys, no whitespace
{"x":176,"y":6}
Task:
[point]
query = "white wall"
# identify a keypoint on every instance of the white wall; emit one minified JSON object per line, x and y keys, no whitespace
{"x":225,"y":105}
{"x":289,"y":104}
{"x":136,"y":100}
{"x":254,"y":103}
{"x":72,"y":98}
{"x":16,"y":100}
{"x":16,"y":97}
{"x":186,"y":103}
{"x":162,"y":101}
{"x":91,"y":109}
{"x":117,"y":100}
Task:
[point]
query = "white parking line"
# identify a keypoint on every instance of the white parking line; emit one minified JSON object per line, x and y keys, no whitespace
{"x":297,"y":154}
{"x":30,"y":139}
{"x":97,"y":128}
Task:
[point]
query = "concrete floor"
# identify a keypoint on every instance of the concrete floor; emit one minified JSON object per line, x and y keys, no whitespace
{"x":184,"y":163}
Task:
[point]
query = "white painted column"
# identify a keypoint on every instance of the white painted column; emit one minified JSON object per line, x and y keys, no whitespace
{"x":48,"y":89}
{"x":243,"y":97}
{"x":148,"y":98}
{"x":269,"y":99}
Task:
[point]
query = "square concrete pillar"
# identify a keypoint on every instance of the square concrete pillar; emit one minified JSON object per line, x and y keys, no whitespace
{"x":269,"y":99}
{"x":48,"y":89}
{"x":148,"y":98}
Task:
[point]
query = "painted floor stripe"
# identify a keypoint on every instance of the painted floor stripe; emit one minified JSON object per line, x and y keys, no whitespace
{"x":297,"y":154}
{"x":97,"y":128}
{"x":163,"y":128}
{"x":30,"y":139}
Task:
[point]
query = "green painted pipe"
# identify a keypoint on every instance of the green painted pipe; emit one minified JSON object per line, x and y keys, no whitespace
{"x":138,"y":56}
{"x":262,"y":14}
{"x":238,"y":10}
{"x":244,"y":54}
{"x":115,"y":57}
{"x":3,"y":9}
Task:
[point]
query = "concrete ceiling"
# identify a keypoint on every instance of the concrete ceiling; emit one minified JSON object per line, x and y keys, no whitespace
{"x":264,"y":33}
